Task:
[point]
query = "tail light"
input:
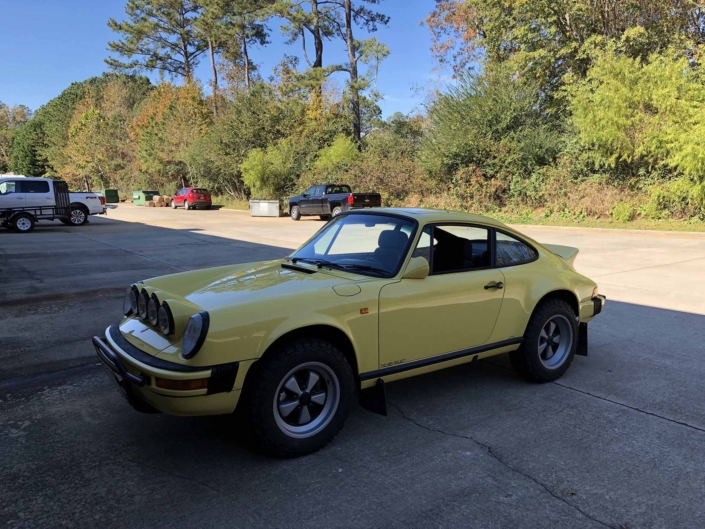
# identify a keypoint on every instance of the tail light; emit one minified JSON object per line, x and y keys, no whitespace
{"x":102,"y":200}
{"x":350,"y":199}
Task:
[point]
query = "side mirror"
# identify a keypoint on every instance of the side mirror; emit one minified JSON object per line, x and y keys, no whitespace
{"x":305,"y":195}
{"x":417,"y":269}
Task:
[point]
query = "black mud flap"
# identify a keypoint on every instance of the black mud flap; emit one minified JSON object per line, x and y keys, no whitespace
{"x":582,"y":349}
{"x":374,"y":399}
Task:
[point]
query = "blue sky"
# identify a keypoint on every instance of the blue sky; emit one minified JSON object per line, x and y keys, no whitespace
{"x":47,"y":44}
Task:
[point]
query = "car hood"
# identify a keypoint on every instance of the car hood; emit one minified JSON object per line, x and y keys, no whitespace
{"x":218,"y":287}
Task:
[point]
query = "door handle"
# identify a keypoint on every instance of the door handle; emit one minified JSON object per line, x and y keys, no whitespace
{"x":498,"y":286}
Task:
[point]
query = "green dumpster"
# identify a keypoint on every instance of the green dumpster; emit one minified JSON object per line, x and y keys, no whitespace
{"x":111,"y":196}
{"x":141,"y":196}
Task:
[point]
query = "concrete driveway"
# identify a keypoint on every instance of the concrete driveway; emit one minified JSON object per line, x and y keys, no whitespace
{"x":617,"y":442}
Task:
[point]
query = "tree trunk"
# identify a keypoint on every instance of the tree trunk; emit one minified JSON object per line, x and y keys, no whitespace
{"x":215,"y":78}
{"x":352,"y":57}
{"x":246,"y":59}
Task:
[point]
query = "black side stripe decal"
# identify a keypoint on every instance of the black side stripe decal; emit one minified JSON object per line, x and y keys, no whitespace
{"x":439,"y":359}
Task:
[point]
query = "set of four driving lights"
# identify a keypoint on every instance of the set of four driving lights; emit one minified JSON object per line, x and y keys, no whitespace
{"x":148,"y":309}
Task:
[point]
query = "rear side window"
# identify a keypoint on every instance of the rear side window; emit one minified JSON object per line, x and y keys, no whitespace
{"x":34,"y":187}
{"x":511,"y":251}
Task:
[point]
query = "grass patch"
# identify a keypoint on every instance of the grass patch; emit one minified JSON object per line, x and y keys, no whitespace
{"x":637,"y":224}
{"x":227,"y":202}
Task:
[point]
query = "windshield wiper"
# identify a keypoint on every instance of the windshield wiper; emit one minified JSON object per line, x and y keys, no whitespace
{"x":367,"y":268}
{"x":318,"y":262}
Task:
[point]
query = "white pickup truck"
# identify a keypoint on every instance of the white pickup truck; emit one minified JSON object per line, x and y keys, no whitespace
{"x":25,"y":200}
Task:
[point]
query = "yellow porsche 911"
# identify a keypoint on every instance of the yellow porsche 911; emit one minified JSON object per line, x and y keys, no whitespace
{"x":374,"y":296}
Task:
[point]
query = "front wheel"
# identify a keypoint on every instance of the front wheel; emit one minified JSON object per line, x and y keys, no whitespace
{"x":549,"y":342}
{"x":173,"y":205}
{"x":299,"y":397}
{"x":295,"y":213}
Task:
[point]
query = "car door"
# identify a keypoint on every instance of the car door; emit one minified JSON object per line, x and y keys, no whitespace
{"x":306,"y":202}
{"x":317,"y":207}
{"x":37,"y":194}
{"x":179,"y":197}
{"x":454,"y":309}
{"x":11,"y":195}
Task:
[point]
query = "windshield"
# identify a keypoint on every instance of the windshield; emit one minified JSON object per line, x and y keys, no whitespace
{"x":360,"y":243}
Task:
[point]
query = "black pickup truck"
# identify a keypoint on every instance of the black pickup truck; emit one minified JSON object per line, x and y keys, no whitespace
{"x":329,"y":200}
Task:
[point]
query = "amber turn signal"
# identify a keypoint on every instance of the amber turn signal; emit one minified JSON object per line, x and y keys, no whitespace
{"x":182,"y":385}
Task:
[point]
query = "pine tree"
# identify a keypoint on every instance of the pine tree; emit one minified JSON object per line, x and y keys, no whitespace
{"x":158,"y":35}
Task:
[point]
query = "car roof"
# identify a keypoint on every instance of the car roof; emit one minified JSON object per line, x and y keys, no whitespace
{"x":427,"y":216}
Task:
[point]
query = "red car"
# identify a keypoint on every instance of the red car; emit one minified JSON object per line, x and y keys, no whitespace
{"x":191,"y":197}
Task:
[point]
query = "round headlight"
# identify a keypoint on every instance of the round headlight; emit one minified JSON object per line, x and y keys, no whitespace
{"x":142,"y":301}
{"x":152,"y":310}
{"x":194,"y":334}
{"x":127,"y":303}
{"x":133,"y":299}
{"x":166,"y":319}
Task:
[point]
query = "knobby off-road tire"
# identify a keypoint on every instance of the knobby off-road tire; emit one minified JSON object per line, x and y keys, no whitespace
{"x":295,"y":213}
{"x":273,"y":408}
{"x":549,"y":343}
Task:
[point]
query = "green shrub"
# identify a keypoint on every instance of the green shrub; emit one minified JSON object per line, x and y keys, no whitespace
{"x":623,"y":212}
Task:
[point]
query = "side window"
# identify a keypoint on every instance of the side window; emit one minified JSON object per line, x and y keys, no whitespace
{"x":319,"y":191}
{"x":511,"y":251}
{"x":459,"y":249}
{"x":35,"y":187}
{"x":310,"y":191}
{"x":7,"y":188}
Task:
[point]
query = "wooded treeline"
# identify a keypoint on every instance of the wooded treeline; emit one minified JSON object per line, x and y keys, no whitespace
{"x":573,"y":108}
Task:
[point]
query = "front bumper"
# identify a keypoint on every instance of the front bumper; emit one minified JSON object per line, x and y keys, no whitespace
{"x":136,"y":379}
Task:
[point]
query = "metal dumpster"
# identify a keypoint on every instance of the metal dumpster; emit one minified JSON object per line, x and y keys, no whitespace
{"x":141,"y":196}
{"x":111,"y":196}
{"x":265,"y":208}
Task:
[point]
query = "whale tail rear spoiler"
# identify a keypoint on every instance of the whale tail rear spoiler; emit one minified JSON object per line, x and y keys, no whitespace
{"x":567,"y":253}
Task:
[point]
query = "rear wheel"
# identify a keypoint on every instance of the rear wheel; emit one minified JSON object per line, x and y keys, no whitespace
{"x":78,"y":216}
{"x":549,"y":342}
{"x":186,"y":206}
{"x":23,"y":223}
{"x":337,"y":211}
{"x":299,"y":397}
{"x":295,"y":213}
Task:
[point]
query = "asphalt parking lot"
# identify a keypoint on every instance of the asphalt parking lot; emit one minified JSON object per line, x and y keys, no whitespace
{"x":619,"y":441}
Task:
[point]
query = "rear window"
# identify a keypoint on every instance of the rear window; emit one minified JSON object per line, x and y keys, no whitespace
{"x":331,"y":190}
{"x":199,"y":190}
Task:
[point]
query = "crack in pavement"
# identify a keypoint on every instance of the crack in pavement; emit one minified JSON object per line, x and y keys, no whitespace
{"x":634,"y":408}
{"x":179,"y":476}
{"x":494,"y":455}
